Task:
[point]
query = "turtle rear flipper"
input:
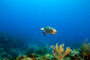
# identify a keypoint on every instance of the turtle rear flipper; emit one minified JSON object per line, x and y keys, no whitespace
{"x":44,"y":33}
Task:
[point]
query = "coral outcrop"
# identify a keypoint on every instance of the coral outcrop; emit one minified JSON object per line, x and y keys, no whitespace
{"x":60,"y":53}
{"x":85,"y":50}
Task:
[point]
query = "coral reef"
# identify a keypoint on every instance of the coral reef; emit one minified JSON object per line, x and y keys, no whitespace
{"x":85,"y":50}
{"x":15,"y":49}
{"x":23,"y":57}
{"x":60,"y":54}
{"x":74,"y":52}
{"x":11,"y":47}
{"x":30,"y":50}
{"x":42,"y":51}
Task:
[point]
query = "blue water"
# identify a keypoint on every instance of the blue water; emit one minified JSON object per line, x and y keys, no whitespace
{"x":71,"y":18}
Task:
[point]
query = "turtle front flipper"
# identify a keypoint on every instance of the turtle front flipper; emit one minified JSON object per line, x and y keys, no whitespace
{"x":44,"y":33}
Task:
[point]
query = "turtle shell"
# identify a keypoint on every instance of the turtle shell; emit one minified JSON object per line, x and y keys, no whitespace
{"x":48,"y":30}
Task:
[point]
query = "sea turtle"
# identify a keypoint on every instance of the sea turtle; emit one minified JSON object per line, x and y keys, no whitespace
{"x":48,"y":30}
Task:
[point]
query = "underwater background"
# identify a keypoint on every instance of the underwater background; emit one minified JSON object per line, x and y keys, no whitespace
{"x":24,"y":18}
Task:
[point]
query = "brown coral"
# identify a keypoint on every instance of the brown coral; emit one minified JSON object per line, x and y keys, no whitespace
{"x":23,"y":57}
{"x":85,"y":50}
{"x":86,"y":47}
{"x":60,"y":54}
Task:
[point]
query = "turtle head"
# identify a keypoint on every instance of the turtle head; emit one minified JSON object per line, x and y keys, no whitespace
{"x":41,"y":28}
{"x":54,"y":32}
